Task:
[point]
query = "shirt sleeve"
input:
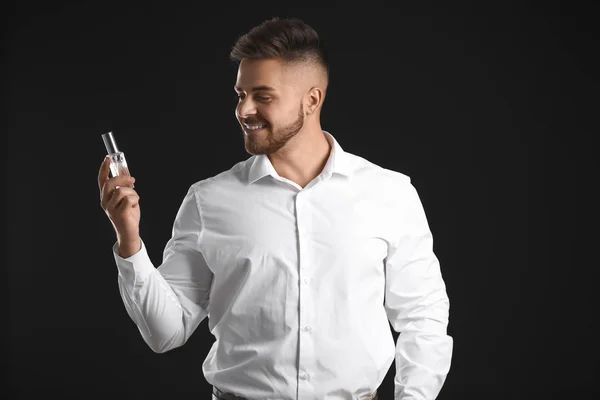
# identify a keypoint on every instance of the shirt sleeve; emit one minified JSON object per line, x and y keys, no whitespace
{"x":417,"y":305}
{"x":168,"y":303}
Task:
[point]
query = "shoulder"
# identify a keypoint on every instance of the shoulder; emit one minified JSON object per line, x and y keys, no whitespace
{"x":387,"y":178}
{"x":233,"y":175}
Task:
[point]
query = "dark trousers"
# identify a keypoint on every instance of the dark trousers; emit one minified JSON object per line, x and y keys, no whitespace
{"x":220,"y":395}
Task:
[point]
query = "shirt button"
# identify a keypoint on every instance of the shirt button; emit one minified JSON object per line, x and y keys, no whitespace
{"x":306,"y":280}
{"x":307,"y":328}
{"x":303,"y":375}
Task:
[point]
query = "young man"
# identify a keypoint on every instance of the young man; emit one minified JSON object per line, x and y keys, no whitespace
{"x":299,"y":255}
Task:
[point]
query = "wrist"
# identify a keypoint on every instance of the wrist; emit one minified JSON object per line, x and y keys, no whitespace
{"x":130,"y":237}
{"x":129,"y":246}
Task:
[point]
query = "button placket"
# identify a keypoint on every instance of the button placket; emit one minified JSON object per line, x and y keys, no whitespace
{"x":306,"y":344}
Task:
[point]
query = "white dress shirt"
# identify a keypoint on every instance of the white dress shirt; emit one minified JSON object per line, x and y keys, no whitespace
{"x":299,"y":283}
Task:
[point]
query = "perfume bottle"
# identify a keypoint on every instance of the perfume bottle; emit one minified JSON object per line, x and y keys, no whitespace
{"x":118,"y":163}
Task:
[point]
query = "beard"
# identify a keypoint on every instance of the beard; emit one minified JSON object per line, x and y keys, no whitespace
{"x":272,"y":141}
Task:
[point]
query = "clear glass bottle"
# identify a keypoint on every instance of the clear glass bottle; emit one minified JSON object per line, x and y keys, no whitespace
{"x":118,"y":163}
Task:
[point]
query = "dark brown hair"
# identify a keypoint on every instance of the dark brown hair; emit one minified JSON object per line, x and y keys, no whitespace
{"x":288,"y":39}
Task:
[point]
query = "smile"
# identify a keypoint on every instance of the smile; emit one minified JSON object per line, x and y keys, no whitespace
{"x":254,"y":128}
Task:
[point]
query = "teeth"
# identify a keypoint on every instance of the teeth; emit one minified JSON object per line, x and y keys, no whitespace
{"x":254,"y":127}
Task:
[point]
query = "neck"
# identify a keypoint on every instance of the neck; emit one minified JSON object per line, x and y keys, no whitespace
{"x":303,"y":158}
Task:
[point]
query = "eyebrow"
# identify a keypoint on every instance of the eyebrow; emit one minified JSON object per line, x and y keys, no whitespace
{"x":256,"y":88}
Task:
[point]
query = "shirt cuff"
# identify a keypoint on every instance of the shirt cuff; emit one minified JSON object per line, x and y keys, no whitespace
{"x":135,"y":268}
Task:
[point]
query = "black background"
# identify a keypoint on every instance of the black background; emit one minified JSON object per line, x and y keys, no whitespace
{"x":491,"y":112}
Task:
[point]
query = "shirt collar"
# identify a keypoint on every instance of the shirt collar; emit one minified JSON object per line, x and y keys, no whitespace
{"x":338,"y":162}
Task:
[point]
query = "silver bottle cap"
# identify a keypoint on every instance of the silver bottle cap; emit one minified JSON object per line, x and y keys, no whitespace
{"x":109,"y":142}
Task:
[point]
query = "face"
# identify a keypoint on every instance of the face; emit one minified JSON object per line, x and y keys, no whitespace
{"x":271,"y":100}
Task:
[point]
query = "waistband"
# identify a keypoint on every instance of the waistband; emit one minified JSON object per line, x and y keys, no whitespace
{"x":220,"y":395}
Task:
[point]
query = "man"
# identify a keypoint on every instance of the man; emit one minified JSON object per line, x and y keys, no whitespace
{"x":299,"y":255}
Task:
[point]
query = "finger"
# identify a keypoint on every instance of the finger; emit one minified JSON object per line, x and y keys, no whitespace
{"x":125,"y":203}
{"x":121,"y":181}
{"x":128,"y":202}
{"x":103,"y":173}
{"x":113,"y":201}
{"x":113,"y":196}
{"x":126,"y":191}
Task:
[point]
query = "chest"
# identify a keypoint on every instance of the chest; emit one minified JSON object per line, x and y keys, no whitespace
{"x":282,"y":230}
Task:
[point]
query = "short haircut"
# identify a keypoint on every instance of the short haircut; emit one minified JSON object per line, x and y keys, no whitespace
{"x":288,"y":39}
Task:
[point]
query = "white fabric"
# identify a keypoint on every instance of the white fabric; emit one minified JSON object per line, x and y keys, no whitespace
{"x":299,"y":283}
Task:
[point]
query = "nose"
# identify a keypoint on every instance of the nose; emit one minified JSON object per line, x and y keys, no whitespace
{"x":244,"y":108}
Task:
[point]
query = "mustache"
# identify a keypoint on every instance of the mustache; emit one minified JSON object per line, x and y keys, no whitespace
{"x":251,"y":122}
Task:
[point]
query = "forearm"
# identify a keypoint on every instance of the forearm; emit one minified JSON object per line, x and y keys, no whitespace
{"x":150,"y":302}
{"x":156,"y":311}
{"x":422,"y":364}
{"x":424,"y":348}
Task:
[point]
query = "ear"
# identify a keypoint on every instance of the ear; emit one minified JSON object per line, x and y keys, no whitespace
{"x":314,"y":100}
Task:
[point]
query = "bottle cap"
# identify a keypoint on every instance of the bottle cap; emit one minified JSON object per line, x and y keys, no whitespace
{"x":109,"y":142}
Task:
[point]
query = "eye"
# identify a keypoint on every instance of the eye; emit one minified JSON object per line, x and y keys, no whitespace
{"x":241,"y":96}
